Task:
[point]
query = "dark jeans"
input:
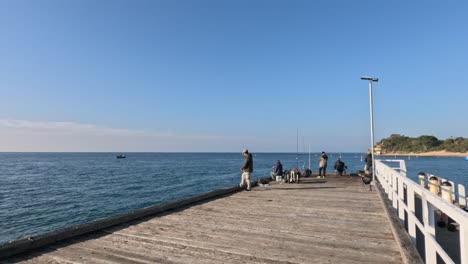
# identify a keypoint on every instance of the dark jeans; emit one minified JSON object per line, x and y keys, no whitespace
{"x":324,"y":171}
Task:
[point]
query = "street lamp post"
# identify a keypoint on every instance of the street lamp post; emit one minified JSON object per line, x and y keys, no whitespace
{"x":371,"y":80}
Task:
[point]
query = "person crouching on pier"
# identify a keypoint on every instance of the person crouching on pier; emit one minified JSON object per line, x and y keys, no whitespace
{"x":339,"y":167}
{"x":246,"y":168}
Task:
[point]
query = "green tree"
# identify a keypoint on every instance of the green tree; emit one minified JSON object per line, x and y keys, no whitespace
{"x":424,"y":143}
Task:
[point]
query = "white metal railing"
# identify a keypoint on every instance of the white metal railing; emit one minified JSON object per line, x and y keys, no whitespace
{"x":401,"y":166}
{"x":395,"y":185}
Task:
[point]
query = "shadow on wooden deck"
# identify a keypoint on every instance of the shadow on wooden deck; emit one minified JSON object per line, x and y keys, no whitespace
{"x":332,"y":220}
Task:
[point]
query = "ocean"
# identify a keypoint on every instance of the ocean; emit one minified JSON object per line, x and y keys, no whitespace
{"x":41,"y":192}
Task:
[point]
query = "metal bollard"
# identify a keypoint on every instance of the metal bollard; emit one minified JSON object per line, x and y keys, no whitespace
{"x":434,"y":185}
{"x":446,"y":190}
{"x":422,"y":179}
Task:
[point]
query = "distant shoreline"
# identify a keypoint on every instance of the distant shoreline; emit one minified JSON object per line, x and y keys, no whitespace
{"x":441,"y":153}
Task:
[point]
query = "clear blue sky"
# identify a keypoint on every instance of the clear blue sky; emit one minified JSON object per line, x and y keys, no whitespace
{"x":224,"y":75}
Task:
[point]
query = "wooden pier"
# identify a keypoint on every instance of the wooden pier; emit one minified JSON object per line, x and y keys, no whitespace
{"x":331,"y":220}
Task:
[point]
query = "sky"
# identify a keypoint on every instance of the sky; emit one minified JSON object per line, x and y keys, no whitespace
{"x":221,"y":76}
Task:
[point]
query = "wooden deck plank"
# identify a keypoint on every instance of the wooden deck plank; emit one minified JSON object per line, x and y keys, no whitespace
{"x":335,"y":220}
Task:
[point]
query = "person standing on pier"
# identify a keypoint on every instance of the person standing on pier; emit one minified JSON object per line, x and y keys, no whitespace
{"x":368,"y":161}
{"x":279,"y":171}
{"x":323,"y":165}
{"x":246,"y":169}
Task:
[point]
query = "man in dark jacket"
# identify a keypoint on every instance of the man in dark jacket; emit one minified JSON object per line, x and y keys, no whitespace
{"x":339,"y":167}
{"x":279,"y":171}
{"x":246,"y":169}
{"x":368,"y":160}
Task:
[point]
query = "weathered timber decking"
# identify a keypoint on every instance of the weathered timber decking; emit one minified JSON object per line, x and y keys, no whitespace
{"x":332,"y":220}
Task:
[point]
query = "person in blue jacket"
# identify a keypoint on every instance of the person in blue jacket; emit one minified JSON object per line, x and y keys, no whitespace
{"x":279,"y":171}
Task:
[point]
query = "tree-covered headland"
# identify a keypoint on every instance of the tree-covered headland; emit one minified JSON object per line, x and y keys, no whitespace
{"x":399,"y":143}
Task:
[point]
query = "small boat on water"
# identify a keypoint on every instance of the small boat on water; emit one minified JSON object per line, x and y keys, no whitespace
{"x":121,"y":156}
{"x":466,"y":158}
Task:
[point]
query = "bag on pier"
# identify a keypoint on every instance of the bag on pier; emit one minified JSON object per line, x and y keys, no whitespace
{"x":262,"y":181}
{"x":366,"y":180}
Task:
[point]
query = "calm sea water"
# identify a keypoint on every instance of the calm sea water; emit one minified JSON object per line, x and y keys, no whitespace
{"x":41,"y":192}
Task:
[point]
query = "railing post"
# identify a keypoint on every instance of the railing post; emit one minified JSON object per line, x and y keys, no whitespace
{"x":384,"y":174}
{"x":429,"y":226}
{"x":388,"y":178}
{"x":411,"y":207}
{"x":401,"y":208}
{"x":390,"y":182}
{"x":454,"y":190}
{"x":464,"y":243}
{"x":402,"y":168}
{"x":395,"y":192}
{"x":461,"y":195}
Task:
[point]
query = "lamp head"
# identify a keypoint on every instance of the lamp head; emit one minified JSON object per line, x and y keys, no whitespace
{"x":367,"y":78}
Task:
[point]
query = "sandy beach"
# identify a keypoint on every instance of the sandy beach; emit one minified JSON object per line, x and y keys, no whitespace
{"x":441,"y":153}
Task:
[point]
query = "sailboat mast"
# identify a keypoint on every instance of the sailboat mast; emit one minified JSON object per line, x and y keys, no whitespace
{"x":309,"y":156}
{"x":303,"y":144}
{"x":297,"y":148}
